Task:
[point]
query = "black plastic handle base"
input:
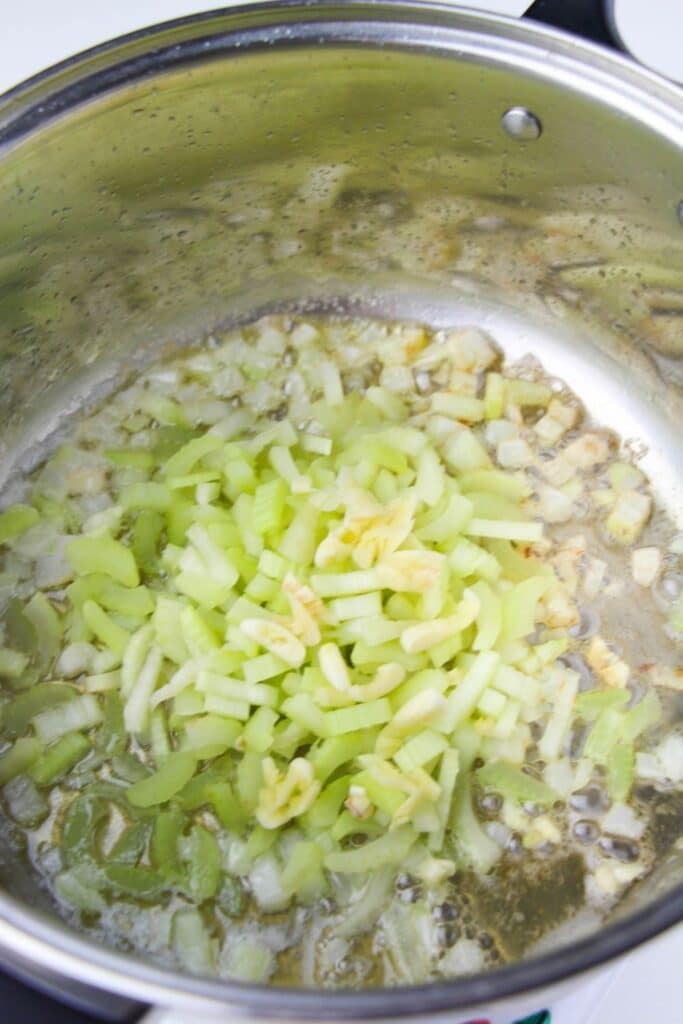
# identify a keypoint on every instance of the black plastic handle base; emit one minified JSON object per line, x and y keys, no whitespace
{"x":585,"y":18}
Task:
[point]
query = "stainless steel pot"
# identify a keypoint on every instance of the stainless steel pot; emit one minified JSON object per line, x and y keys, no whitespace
{"x":403,"y":159}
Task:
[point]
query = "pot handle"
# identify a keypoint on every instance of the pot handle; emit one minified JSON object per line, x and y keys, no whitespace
{"x":585,"y":18}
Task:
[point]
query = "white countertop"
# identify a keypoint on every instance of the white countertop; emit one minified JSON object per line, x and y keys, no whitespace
{"x":647,"y":986}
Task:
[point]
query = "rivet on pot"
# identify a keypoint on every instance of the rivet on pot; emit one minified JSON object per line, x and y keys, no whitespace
{"x":521,"y":124}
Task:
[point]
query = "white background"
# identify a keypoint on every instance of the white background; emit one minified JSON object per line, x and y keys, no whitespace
{"x":647,"y":987}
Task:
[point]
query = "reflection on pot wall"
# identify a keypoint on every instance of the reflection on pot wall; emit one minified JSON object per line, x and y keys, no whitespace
{"x":187,"y":198}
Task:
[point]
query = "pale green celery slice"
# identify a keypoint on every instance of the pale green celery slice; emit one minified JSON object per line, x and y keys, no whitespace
{"x":464,"y":697}
{"x":391,"y":848}
{"x":75,"y":715}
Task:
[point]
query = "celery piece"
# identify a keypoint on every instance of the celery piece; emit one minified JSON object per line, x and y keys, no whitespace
{"x":463,"y":452}
{"x":302,"y":874}
{"x":17,"y":714}
{"x":260,"y":588}
{"x":268,"y":507}
{"x":147,"y":495}
{"x":516,"y":566}
{"x":192,"y":944}
{"x":558,"y":724}
{"x":80,"y":713}
{"x":249,"y":960}
{"x":391,"y":848}
{"x":348,"y":825}
{"x":202,"y":589}
{"x":131,"y":458}
{"x":15,"y":520}
{"x":106,"y":555}
{"x":510,"y":781}
{"x":209,"y":735}
{"x":494,"y":396}
{"x":344,"y":584}
{"x":519,"y":607}
{"x":111,"y":736}
{"x":606,"y":731}
{"x":326,"y":808}
{"x":426,"y":679}
{"x":186,"y":458}
{"x":528,"y":393}
{"x":301,"y":709}
{"x":641,"y":716}
{"x":163,"y":847}
{"x":590,"y":704}
{"x":447,"y":778}
{"x":462,"y":701}
{"x":444,"y":652}
{"x":489,"y":505}
{"x":134,"y":657}
{"x":273,"y":566}
{"x":199,"y":639}
{"x":375,"y":452}
{"x":468,"y":559}
{"x":260,"y":841}
{"x":383,"y":797}
{"x":298,"y":542}
{"x":169,"y":779}
{"x":45,"y":619}
{"x":178,"y":521}
{"x":458,"y":407}
{"x":134,"y":601}
{"x":489,"y":617}
{"x":372,"y":632}
{"x":474,"y":847}
{"x":249,"y":779}
{"x":204,"y":856}
{"x":194,"y":480}
{"x":359,"y":606}
{"x":620,"y":771}
{"x":137,"y":708}
{"x":264,"y":666}
{"x":158,"y":736}
{"x":168,"y":632}
{"x":59,"y":758}
{"x":360,"y":716}
{"x":429,"y":484}
{"x":494,"y":481}
{"x":258,"y":732}
{"x":501,"y":529}
{"x":491,"y":703}
{"x":133,"y":880}
{"x":227,"y":706}
{"x":105,"y":629}
{"x":12,"y":663}
{"x":70,"y":889}
{"x":131,"y":844}
{"x":451,"y":521}
{"x":338,"y":750}
{"x":19,"y":758}
{"x":420,"y":749}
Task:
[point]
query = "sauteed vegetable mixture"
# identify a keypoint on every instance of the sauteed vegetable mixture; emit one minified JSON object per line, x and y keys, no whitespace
{"x":309,"y":667}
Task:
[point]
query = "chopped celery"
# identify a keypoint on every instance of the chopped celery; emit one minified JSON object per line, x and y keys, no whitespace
{"x":641,"y":716}
{"x":17,"y":715}
{"x":510,"y":781}
{"x":75,"y":715}
{"x":420,"y":749}
{"x":209,"y":735}
{"x":192,"y":945}
{"x":502,"y":529}
{"x":302,"y":874}
{"x":15,"y":520}
{"x":519,"y":607}
{"x":169,"y":779}
{"x":464,"y":697}
{"x":105,"y":628}
{"x":204,"y":857}
{"x":338,"y":750}
{"x":620,"y":771}
{"x":19,"y":758}
{"x":361,"y":716}
{"x":391,"y":848}
{"x":106,"y":555}
{"x":59,"y":758}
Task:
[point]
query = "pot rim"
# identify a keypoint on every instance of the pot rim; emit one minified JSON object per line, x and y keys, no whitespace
{"x":29,"y":936}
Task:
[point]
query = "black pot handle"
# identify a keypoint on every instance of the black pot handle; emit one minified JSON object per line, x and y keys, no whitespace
{"x":585,"y":18}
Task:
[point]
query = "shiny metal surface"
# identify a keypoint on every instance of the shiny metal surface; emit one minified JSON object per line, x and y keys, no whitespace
{"x":351,"y":157}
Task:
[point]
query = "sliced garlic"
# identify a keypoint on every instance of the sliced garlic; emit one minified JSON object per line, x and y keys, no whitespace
{"x":283,"y":797}
{"x":276,"y":639}
{"x":607,"y":666}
